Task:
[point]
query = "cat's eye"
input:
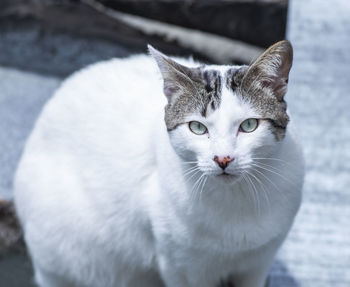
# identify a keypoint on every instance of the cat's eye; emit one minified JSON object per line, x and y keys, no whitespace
{"x":197,"y":128}
{"x":249,"y":125}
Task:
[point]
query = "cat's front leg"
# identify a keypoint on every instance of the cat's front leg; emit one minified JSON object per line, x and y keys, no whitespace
{"x":254,"y":278}
{"x":257,"y":264}
{"x":47,"y":279}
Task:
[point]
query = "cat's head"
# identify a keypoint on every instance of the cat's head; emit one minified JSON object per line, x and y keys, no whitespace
{"x":224,"y":117}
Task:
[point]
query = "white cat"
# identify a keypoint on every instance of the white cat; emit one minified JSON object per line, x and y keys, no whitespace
{"x":113,"y":190}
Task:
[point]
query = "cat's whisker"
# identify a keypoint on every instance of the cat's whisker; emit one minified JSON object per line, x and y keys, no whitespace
{"x":257,"y":195}
{"x":189,"y":174}
{"x":274,"y":165}
{"x":191,"y":166}
{"x":269,"y":166}
{"x":201,"y":191}
{"x":194,"y":187}
{"x":254,"y":193}
{"x":188,"y":180}
{"x":189,"y":170}
{"x":271,"y":158}
{"x":263,"y":188}
{"x":274,"y":172}
{"x":194,"y":174}
{"x":267,"y":178}
{"x":189,"y":162}
{"x":250,"y":194}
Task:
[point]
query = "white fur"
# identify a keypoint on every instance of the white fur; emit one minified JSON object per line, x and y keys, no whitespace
{"x":102,"y":197}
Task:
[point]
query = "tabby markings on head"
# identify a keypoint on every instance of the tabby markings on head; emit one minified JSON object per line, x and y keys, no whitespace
{"x":262,"y":84}
{"x":234,"y":77}
{"x":212,"y":96}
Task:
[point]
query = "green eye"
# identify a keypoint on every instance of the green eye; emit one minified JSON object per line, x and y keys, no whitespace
{"x":249,"y":125}
{"x":197,"y":128}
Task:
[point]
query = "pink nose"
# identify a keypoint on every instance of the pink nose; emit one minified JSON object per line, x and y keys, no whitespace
{"x":223,"y":161}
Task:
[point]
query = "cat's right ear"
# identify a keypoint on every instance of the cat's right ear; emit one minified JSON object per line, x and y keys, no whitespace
{"x":270,"y":71}
{"x":178,"y":79}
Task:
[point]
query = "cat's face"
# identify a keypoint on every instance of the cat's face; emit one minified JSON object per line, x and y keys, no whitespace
{"x":222,"y":119}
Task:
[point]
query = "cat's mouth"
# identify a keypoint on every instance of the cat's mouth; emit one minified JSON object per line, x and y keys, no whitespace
{"x":227,"y":176}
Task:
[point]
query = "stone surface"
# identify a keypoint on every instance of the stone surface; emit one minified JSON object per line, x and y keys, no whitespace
{"x":59,"y":39}
{"x":243,"y":20}
{"x":16,"y":270}
{"x":21,"y":99}
{"x":29,"y":45}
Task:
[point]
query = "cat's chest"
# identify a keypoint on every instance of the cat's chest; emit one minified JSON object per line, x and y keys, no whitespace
{"x":222,"y":221}
{"x":228,"y":235}
{"x":209,"y":253}
{"x":226,"y":229}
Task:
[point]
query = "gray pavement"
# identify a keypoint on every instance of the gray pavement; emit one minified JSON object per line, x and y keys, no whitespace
{"x":317,"y":251}
{"x":22,"y":96}
{"x":29,"y":45}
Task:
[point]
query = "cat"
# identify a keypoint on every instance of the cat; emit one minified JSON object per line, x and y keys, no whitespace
{"x":159,"y":171}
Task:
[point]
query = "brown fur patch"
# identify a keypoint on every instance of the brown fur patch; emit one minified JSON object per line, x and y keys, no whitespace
{"x":11,"y":235}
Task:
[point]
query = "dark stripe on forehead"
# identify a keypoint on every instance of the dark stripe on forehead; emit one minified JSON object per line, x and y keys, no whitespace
{"x":212,"y":96}
{"x":230,"y":83}
{"x":207,"y":81}
{"x":217,"y":86}
{"x":212,"y":80}
{"x":234,"y":77}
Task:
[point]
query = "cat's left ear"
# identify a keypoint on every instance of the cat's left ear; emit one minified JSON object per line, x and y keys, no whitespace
{"x":178,"y":79}
{"x":270,"y":71}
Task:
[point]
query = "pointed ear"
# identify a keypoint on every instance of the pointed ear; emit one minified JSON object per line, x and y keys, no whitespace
{"x":178,"y":79}
{"x":270,"y":71}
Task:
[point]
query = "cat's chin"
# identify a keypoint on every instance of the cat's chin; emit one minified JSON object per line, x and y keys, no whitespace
{"x":227,"y":178}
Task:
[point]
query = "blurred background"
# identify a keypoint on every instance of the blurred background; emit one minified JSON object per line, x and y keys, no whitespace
{"x":43,"y":41}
